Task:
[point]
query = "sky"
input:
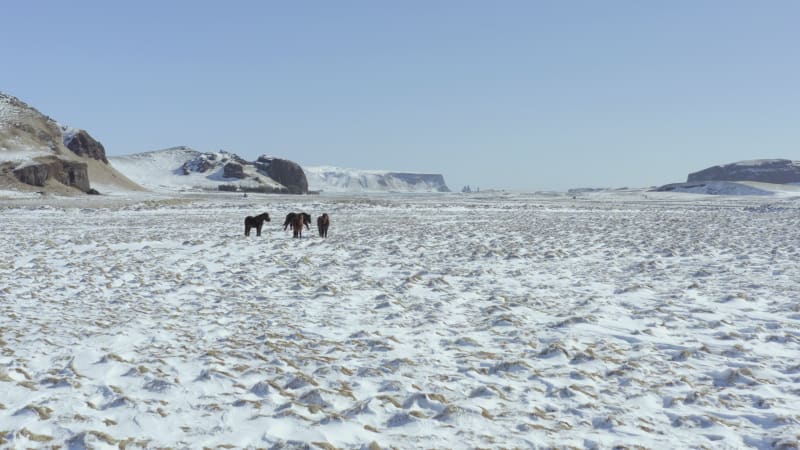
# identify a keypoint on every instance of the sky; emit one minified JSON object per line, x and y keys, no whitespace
{"x":522,"y":95}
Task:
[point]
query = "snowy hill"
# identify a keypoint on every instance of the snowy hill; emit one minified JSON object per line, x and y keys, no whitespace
{"x":778,"y":171}
{"x":337,"y":179}
{"x":185,"y":169}
{"x":732,"y":188}
{"x":39,"y":154}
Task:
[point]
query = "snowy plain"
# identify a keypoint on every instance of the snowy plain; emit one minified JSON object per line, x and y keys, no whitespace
{"x":423,"y":321}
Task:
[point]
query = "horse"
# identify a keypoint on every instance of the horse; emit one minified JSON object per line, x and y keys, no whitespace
{"x":298,"y":221}
{"x":291,"y":217}
{"x":323,"y":222}
{"x":255,"y":222}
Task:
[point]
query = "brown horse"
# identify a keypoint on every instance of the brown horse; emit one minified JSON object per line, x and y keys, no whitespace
{"x":291,"y":216}
{"x":323,"y":222}
{"x":255,"y":222}
{"x":298,"y":221}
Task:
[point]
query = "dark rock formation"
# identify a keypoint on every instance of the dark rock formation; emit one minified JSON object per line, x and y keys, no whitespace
{"x":204,"y":162}
{"x":779,"y":171}
{"x":233,"y":170}
{"x":197,"y":165}
{"x":69,"y":173}
{"x":285,"y":172}
{"x":82,"y":144}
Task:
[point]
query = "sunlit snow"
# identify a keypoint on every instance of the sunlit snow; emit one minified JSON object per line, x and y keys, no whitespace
{"x":439,"y":321}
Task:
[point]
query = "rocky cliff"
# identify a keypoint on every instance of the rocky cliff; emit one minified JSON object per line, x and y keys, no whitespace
{"x":285,"y":172}
{"x":337,"y":179}
{"x":37,"y":152}
{"x":778,"y":171}
{"x":83,"y":144}
{"x":66,"y":172}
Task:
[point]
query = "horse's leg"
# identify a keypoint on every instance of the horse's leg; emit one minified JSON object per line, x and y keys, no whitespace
{"x":258,"y":229}
{"x":246,"y":229}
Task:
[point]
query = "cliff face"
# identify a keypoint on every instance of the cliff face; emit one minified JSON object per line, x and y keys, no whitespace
{"x":68,"y":173}
{"x":35,"y":150}
{"x":285,"y":172}
{"x":778,"y":171}
{"x":83,"y":144}
{"x":337,"y":179}
{"x":427,"y":179}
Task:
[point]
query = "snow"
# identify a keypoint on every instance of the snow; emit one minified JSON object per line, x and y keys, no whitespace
{"x":735,"y":188}
{"x":24,"y":156}
{"x":8,"y":111}
{"x":161,"y":171}
{"x":446,"y":321}
{"x":68,"y":133}
{"x":342,"y":180}
{"x":759,"y":162}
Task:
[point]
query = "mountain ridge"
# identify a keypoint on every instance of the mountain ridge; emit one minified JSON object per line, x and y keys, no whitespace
{"x":184,"y":168}
{"x":38,"y":153}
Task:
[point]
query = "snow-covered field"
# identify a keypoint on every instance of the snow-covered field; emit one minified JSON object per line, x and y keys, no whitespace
{"x":438,"y":321}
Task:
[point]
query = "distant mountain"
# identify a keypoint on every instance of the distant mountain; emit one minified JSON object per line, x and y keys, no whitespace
{"x":184,"y":169}
{"x":777,"y":171}
{"x":754,"y":177}
{"x":337,"y":179}
{"x":718,"y":188}
{"x":38,"y":153}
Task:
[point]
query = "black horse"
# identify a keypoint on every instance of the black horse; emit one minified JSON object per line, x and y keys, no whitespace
{"x":257,"y":222}
{"x":323,"y":222}
{"x":291,"y":217}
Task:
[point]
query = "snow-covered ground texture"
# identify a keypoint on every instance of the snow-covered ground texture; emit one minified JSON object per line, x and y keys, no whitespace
{"x":338,"y":179}
{"x":437,"y":321}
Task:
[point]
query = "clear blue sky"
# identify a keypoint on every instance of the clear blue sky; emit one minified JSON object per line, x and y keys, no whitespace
{"x":499,"y":94}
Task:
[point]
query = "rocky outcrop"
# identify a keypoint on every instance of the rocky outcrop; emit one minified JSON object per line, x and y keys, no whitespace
{"x":778,"y":171}
{"x":35,"y":150}
{"x":83,"y":144}
{"x":183,"y":168}
{"x":204,"y":162}
{"x":285,"y":172}
{"x":233,"y":170}
{"x":68,"y":173}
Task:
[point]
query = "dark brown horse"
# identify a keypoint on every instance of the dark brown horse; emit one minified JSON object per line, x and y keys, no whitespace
{"x":298,"y":221}
{"x":255,"y":222}
{"x":291,"y":216}
{"x":323,"y":222}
